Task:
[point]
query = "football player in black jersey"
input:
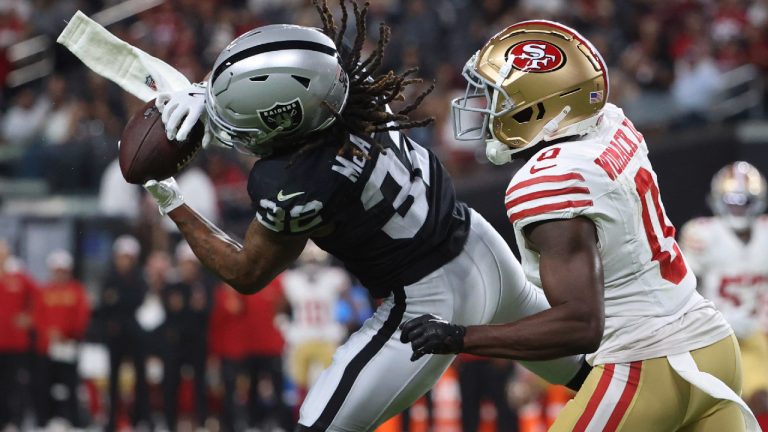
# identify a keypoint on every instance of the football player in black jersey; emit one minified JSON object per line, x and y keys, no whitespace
{"x":335,"y":167}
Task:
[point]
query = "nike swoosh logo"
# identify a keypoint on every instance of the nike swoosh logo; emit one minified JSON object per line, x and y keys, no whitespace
{"x":281,"y":197}
{"x":534,"y":170}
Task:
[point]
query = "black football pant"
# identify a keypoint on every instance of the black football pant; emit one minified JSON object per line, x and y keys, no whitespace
{"x":48,"y":373}
{"x":230,"y":415}
{"x":12,"y":368}
{"x":175,"y":358}
{"x":120,"y":349}
{"x":266,"y":408}
{"x":481,"y":379}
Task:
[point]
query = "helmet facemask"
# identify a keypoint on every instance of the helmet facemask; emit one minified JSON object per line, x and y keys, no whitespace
{"x":250,"y":141}
{"x":481,"y":97}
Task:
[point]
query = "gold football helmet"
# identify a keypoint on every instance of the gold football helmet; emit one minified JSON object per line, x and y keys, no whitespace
{"x":738,"y":194}
{"x":533,"y":81}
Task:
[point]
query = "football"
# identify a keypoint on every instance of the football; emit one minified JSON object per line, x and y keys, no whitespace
{"x":147,"y":154}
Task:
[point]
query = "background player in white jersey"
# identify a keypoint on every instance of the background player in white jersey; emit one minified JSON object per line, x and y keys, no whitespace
{"x":334,"y":167}
{"x":593,"y":234}
{"x":729,"y":255}
{"x":312,"y":289}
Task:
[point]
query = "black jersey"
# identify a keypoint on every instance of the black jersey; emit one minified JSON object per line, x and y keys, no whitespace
{"x":394,"y":216}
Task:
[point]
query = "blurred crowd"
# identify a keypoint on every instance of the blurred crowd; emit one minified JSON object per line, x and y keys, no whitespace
{"x":668,"y":62}
{"x":160,"y":345}
{"x":192,"y":345}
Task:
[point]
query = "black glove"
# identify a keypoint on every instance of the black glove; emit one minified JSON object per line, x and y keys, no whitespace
{"x":430,"y":334}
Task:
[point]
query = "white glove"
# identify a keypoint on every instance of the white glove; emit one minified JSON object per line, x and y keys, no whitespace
{"x":181,"y":110}
{"x":166,"y":193}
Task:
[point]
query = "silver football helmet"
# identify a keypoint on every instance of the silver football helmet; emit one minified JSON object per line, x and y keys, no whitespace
{"x":739,"y":194}
{"x":272,"y":83}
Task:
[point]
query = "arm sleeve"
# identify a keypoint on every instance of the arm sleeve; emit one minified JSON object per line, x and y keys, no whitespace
{"x":38,"y":312}
{"x":31,"y":287}
{"x":82,"y":314}
{"x":136,"y":294}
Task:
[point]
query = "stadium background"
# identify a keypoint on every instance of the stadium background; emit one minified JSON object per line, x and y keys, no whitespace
{"x":690,"y":73}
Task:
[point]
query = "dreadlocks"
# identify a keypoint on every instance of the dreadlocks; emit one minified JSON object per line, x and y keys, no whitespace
{"x":366,"y":110}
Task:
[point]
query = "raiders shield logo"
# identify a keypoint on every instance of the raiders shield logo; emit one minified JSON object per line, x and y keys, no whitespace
{"x":288,"y":115}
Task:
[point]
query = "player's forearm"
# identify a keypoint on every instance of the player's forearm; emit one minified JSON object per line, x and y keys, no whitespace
{"x":571,"y":273}
{"x":215,"y":249}
{"x":557,"y":332}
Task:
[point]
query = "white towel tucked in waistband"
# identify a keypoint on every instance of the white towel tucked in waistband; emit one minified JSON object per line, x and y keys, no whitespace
{"x":686,"y":367}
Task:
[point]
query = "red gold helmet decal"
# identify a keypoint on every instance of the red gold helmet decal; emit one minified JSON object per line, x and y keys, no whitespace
{"x":536,"y":56}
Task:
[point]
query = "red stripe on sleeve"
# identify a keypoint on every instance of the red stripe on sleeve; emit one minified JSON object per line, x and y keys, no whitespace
{"x":546,"y":194}
{"x":545,"y":179}
{"x":594,"y":401}
{"x":533,"y":211}
{"x":630,"y":389}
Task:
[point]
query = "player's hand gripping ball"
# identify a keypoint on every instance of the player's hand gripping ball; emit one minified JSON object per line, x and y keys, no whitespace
{"x":182,"y":110}
{"x":146,"y":153}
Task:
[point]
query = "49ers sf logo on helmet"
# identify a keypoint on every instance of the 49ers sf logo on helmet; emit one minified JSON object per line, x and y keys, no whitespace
{"x":536,"y":56}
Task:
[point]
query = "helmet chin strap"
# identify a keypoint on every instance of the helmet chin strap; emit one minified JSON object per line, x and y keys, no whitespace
{"x":551,"y":127}
{"x":499,"y":153}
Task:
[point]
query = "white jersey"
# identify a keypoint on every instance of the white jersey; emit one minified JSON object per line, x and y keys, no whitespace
{"x":652,"y":308}
{"x":733,"y":274}
{"x":313,"y":296}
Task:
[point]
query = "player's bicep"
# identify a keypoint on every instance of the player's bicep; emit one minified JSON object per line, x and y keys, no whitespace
{"x":270,"y":252}
{"x":570,"y":266}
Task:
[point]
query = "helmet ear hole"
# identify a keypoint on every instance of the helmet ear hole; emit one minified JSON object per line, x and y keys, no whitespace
{"x":302,"y":80}
{"x":523,"y":116}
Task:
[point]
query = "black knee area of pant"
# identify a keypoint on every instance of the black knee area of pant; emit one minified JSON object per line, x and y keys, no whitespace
{"x":581,"y":376}
{"x":302,"y":428}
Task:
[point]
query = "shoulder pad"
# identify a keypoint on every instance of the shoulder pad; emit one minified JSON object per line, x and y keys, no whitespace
{"x":557,"y":183}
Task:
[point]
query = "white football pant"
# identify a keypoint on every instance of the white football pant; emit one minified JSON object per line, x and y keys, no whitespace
{"x":372,"y":377}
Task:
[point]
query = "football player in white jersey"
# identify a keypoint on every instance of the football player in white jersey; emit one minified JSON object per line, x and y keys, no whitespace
{"x":335,"y":166}
{"x":729,"y":255}
{"x":593,"y":234}
{"x":312,"y":334}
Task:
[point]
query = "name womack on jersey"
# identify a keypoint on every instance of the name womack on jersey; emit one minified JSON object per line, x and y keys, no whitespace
{"x":614,"y":159}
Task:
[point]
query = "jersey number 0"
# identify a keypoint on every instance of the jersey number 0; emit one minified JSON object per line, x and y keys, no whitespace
{"x":673,"y":269}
